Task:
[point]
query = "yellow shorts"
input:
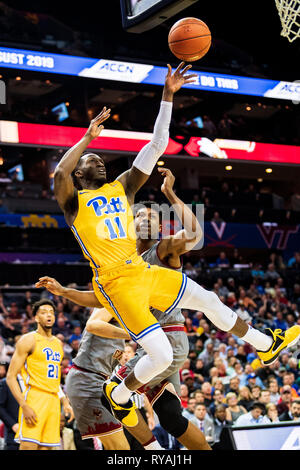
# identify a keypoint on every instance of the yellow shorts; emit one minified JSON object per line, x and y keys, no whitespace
{"x":46,"y":432}
{"x":133,"y":286}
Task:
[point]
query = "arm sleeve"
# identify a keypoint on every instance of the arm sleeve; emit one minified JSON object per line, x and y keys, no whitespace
{"x":148,"y":156}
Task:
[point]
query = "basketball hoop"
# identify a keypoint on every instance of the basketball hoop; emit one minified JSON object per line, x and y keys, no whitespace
{"x":289,"y":14}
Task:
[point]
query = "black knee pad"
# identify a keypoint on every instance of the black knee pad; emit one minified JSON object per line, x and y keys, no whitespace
{"x":169,"y":412}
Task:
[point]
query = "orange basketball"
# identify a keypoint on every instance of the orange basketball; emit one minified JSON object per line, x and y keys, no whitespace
{"x":189,"y":39}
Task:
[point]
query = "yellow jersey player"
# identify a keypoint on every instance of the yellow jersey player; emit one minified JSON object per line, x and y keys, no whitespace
{"x":100,"y":216}
{"x":38,"y":357}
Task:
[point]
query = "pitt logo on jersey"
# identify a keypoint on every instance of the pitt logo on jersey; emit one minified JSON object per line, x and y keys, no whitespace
{"x":102,"y":206}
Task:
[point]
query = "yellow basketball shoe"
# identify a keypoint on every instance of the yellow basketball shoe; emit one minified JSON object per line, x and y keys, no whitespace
{"x":124,"y":413}
{"x":281,"y":340}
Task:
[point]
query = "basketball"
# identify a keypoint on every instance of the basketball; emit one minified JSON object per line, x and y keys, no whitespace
{"x":189,"y":39}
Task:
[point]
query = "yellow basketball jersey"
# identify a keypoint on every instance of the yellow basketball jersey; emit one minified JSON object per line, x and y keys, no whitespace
{"x":42,"y":367}
{"x":104,"y":225}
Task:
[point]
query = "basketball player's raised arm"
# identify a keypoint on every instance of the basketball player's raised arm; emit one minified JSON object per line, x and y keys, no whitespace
{"x":24,"y":347}
{"x":64,"y":189}
{"x":83,"y":298}
{"x":146,"y":159}
{"x":184,"y":240}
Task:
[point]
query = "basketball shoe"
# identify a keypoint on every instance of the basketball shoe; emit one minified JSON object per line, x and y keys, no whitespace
{"x":281,"y":340}
{"x":124,"y":413}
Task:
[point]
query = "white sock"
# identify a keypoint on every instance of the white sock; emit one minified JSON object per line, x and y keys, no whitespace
{"x":154,"y":445}
{"x":257,"y":339}
{"x":121,"y":393}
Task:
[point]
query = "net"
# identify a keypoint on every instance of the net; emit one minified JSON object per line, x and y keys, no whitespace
{"x":289,"y":14}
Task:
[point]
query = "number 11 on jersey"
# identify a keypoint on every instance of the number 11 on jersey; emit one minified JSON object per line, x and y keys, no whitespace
{"x":115,"y":228}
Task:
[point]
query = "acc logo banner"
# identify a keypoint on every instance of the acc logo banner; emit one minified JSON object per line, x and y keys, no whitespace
{"x":115,"y":70}
{"x":285,"y":90}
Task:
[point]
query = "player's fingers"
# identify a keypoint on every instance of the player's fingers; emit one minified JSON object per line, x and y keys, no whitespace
{"x":103,"y":116}
{"x":169,"y":70}
{"x":180,"y":66}
{"x":188,"y":67}
{"x":192,"y":80}
{"x":191,"y":75}
{"x":100,"y":115}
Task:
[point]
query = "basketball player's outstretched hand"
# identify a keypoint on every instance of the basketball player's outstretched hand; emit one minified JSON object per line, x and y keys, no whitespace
{"x":51,"y":284}
{"x":95,"y":126}
{"x":169,"y":180}
{"x":179,"y":78}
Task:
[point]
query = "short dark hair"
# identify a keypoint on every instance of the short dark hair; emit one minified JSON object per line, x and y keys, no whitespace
{"x":258,"y":404}
{"x":148,"y":204}
{"x":74,"y":178}
{"x":41,"y":302}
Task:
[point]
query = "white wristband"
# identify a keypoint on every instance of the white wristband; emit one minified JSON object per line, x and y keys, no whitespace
{"x":61,"y":393}
{"x":147,"y":157}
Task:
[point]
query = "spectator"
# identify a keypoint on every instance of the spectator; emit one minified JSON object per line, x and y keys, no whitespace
{"x":271,"y":273}
{"x":75,"y":347}
{"x":9,"y":409}
{"x":223,"y":290}
{"x":204,"y":422}
{"x":233,"y":410}
{"x":199,"y":397}
{"x":272,"y":412}
{"x":206,"y":389}
{"x":217,"y":384}
{"x":240,"y":373}
{"x":279,"y":321}
{"x":293,"y":414}
{"x":243,"y":313}
{"x":225,"y":127}
{"x":189,"y":380}
{"x":234,"y":385}
{"x":220,"y":422}
{"x":288,"y":379}
{"x":188,"y":412}
{"x":184,"y":395}
{"x":77,"y":334}
{"x":213,"y":339}
{"x":62,"y":326}
{"x":256,"y":392}
{"x":200,"y":371}
{"x":241,"y":354}
{"x":274,"y":391}
{"x":66,"y":435}
{"x":285,"y":400}
{"x":217,"y":219}
{"x":207,"y":356}
{"x":210,"y":129}
{"x":253,"y":379}
{"x":218,"y":399}
{"x":190,"y":271}
{"x":245,"y":398}
{"x":14,"y":314}
{"x":222,"y":261}
{"x":6,"y":351}
{"x":253,"y":417}
{"x":265,"y":397}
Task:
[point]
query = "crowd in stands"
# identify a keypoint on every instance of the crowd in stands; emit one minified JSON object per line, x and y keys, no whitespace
{"x":222,"y":380}
{"x":228,"y":200}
